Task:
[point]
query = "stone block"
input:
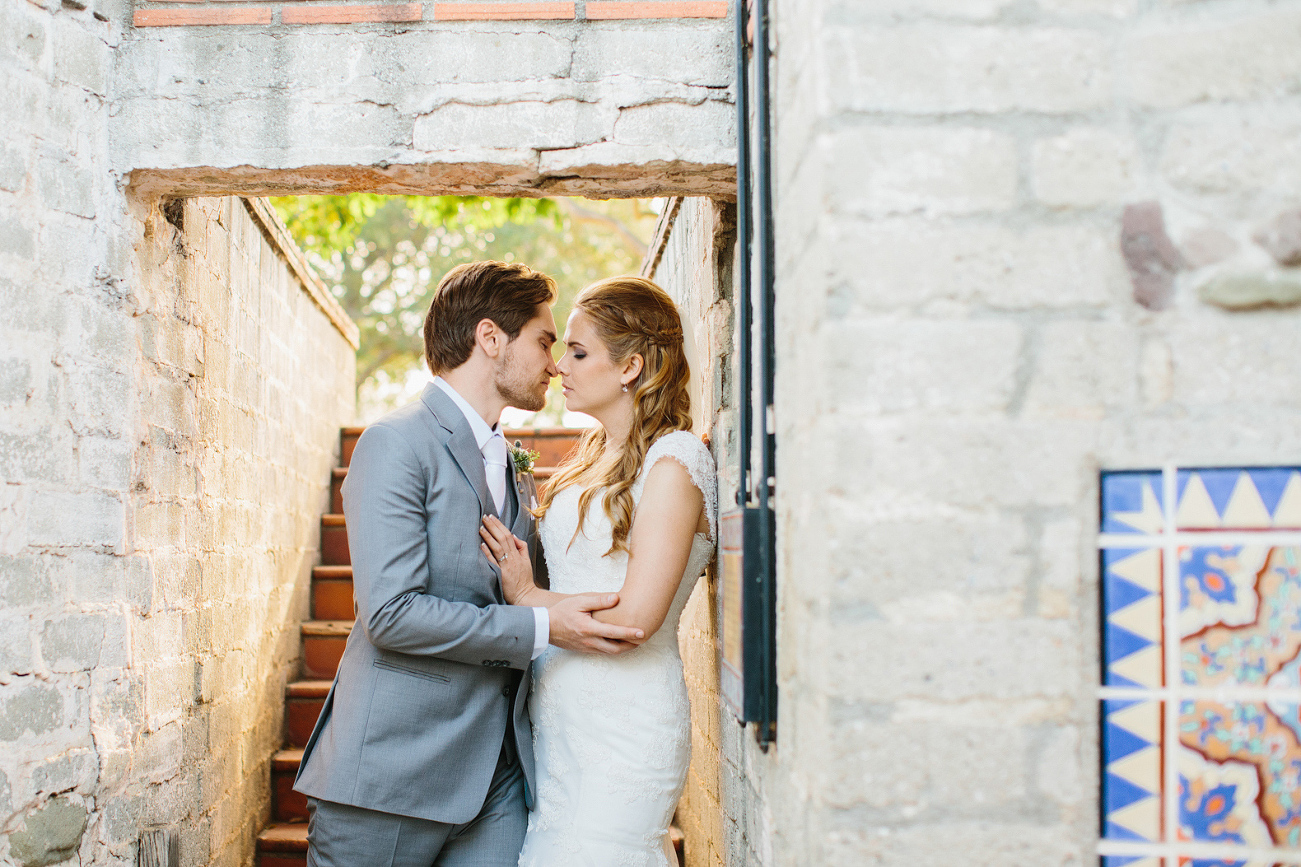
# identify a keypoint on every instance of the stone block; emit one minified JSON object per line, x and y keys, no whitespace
{"x":65,"y":186}
{"x":1253,"y":55}
{"x":913,"y":567}
{"x":100,"y":332}
{"x":888,"y":171}
{"x":27,"y":309}
{"x":565,"y":123}
{"x":916,"y":262}
{"x":29,"y":707}
{"x":82,"y":642}
{"x":968,"y":463}
{"x":1250,"y":291}
{"x":1083,"y":369}
{"x":104,"y":463}
{"x":1237,"y":153}
{"x":24,"y":580}
{"x":1150,"y":255}
{"x":1086,"y":167}
{"x":1058,"y":771}
{"x":687,"y":55}
{"x":13,"y":168}
{"x":923,"y":766}
{"x":15,"y":380}
{"x":900,"y":365}
{"x":51,"y":833}
{"x":1207,"y":246}
{"x":1238,"y":362}
{"x":1059,"y":587}
{"x":15,"y":646}
{"x":1281,"y":236}
{"x":74,"y":769}
{"x":948,"y":69}
{"x":956,"y":661}
{"x":682,"y":128}
{"x":60,"y":520}
{"x":25,"y":35}
{"x":169,"y":405}
{"x":81,"y":58}
{"x":42,"y":455}
{"x":15,"y":238}
{"x":100,"y":401}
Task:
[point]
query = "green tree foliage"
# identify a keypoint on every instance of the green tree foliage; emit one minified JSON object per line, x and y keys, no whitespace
{"x":382,"y":256}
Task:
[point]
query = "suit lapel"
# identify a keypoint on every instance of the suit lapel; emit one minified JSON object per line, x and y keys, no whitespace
{"x":461,"y":444}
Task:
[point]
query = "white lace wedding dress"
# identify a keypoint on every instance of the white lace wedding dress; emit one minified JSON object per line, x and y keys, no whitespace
{"x":612,"y":734}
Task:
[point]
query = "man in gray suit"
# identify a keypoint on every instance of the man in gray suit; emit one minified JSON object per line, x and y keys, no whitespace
{"x":423,"y":753}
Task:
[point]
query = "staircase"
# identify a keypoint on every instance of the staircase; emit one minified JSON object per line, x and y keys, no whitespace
{"x":284,"y":842}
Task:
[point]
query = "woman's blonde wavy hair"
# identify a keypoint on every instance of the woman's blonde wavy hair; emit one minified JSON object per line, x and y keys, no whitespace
{"x":632,"y":316}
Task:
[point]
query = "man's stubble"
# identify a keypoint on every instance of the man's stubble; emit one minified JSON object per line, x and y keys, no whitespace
{"x":516,"y":386}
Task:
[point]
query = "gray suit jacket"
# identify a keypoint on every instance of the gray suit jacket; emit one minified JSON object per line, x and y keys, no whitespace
{"x":436,"y":663}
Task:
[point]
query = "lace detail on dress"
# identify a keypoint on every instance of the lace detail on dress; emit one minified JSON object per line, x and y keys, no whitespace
{"x":612,"y":735}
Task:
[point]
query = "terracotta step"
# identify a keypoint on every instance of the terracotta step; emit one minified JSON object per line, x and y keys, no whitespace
{"x":286,"y":804}
{"x":283,"y":845}
{"x":303,"y":702}
{"x":347,"y":442}
{"x":337,"y":475}
{"x":323,"y":643}
{"x":332,"y":593}
{"x":334,"y":541}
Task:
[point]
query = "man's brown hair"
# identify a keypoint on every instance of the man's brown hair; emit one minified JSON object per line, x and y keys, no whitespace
{"x":508,"y":293}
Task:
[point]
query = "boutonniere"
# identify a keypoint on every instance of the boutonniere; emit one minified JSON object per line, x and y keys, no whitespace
{"x":523,"y":458}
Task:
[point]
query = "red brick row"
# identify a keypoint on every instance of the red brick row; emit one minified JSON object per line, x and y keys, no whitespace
{"x":314,"y":13}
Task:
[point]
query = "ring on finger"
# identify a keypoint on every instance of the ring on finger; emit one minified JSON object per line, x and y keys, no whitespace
{"x":502,"y":558}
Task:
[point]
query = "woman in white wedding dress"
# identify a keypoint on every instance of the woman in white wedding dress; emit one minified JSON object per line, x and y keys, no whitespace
{"x":612,"y":733}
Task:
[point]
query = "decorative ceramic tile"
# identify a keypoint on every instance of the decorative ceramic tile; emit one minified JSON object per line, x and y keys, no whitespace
{"x":1240,"y":615}
{"x":1132,"y":605}
{"x":1239,"y":774}
{"x":1239,"y":499}
{"x":1204,"y":771}
{"x":1131,"y":502}
{"x":1131,"y":757}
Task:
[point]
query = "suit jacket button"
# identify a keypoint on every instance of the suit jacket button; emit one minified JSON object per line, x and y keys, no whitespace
{"x":505,"y":690}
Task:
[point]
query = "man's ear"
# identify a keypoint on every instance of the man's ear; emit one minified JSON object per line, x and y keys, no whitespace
{"x":631,"y":369}
{"x":489,"y":337}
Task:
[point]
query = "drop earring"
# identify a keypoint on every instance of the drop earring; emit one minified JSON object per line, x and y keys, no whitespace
{"x":625,"y":388}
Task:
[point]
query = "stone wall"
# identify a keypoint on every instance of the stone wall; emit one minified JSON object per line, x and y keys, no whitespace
{"x":166,"y":465}
{"x":1005,"y":235}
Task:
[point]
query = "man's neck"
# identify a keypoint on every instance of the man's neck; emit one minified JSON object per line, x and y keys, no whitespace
{"x":478,"y":391}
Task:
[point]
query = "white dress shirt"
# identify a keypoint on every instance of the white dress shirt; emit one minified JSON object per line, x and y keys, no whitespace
{"x":494,"y":467}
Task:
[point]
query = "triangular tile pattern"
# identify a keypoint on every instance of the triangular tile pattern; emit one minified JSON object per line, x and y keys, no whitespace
{"x":1132,"y":604}
{"x":1131,"y":502}
{"x":1267,"y":498}
{"x":1131,"y":786}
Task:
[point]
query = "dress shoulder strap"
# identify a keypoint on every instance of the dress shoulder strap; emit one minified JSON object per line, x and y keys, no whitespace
{"x":687,"y":449}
